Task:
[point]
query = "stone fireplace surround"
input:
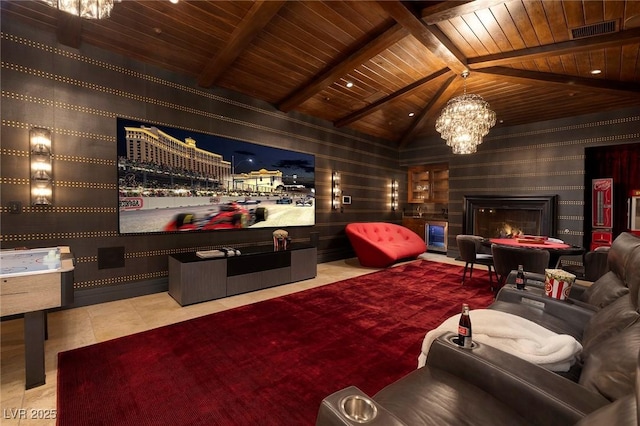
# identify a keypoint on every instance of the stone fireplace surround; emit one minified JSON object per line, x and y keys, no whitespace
{"x":494,"y":216}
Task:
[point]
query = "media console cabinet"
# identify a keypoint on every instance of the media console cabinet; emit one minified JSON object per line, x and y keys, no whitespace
{"x":193,"y":279}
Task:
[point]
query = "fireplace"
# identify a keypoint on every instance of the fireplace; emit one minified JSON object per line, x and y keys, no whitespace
{"x":495,"y":216}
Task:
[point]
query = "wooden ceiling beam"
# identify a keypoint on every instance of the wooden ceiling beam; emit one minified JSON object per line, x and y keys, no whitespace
{"x":69,"y":29}
{"x":431,"y":37}
{"x":443,"y":11}
{"x":446,"y":91}
{"x":258,"y":16}
{"x":543,"y":79}
{"x":359,"y":56}
{"x":381,"y":103}
{"x":563,"y":48}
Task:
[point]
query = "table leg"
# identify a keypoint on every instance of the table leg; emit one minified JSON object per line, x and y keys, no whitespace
{"x":34,"y":331}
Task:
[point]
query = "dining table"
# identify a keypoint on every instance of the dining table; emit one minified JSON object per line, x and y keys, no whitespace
{"x":556,"y":249}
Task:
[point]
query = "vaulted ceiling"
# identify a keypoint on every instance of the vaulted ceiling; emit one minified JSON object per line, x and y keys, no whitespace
{"x":531,"y":60}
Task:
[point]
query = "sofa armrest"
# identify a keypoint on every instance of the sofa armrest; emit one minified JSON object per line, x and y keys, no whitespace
{"x":560,"y":316}
{"x":331,"y":410}
{"x":511,"y":294}
{"x":536,"y":280}
{"x":532,"y":391}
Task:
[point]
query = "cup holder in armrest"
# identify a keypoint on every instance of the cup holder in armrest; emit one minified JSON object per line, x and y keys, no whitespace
{"x":454,"y":341}
{"x":352,"y":407}
{"x":358,"y":408}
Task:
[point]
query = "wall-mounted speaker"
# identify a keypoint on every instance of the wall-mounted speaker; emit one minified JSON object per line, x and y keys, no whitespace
{"x":110,"y":257}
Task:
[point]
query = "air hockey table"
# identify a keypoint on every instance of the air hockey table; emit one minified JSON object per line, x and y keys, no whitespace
{"x":32,"y":281}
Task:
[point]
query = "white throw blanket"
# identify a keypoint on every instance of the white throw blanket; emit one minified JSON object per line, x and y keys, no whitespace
{"x":515,"y":335}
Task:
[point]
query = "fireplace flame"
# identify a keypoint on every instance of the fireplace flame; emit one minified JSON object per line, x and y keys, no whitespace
{"x":509,"y":231}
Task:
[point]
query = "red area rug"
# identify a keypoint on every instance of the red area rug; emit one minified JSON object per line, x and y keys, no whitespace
{"x":270,"y":363}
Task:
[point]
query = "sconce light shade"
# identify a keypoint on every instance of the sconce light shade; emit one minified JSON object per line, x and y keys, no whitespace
{"x":336,"y":193}
{"x":41,"y":177}
{"x":394,"y":194}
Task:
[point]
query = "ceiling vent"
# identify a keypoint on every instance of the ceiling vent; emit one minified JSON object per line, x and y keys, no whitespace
{"x":593,"y":30}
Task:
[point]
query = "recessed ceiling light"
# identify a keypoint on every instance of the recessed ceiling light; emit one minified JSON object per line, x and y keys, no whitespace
{"x":411,"y":114}
{"x":596,"y":72}
{"x":174,"y":1}
{"x":349,"y":84}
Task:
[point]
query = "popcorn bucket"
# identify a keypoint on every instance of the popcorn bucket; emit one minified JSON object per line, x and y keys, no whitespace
{"x":280,"y":240}
{"x":279,"y":244}
{"x":557,"y":283}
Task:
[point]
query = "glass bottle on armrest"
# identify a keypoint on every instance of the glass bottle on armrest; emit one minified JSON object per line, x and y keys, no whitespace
{"x":464,"y":328}
{"x":520,"y":278}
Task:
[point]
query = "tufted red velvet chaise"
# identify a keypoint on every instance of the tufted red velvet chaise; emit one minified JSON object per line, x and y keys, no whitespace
{"x":380,"y":244}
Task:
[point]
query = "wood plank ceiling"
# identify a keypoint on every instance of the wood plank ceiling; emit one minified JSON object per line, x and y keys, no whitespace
{"x":403,"y":58}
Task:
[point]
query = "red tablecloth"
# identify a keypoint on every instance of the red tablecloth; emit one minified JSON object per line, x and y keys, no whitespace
{"x":556,"y":250}
{"x":514,"y":242}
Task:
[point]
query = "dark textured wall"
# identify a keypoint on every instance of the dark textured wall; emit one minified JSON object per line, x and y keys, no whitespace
{"x":546,"y":158}
{"x":78,"y":94}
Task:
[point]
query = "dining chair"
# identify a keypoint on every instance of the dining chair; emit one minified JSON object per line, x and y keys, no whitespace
{"x":594,"y":264}
{"x":470,"y":248}
{"x":507,"y":259}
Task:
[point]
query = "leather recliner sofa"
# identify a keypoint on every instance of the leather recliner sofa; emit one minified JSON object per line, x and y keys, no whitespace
{"x":594,"y":265}
{"x":602,"y":291}
{"x":615,"y":293}
{"x":610,"y":285}
{"x":486,"y":386}
{"x":481,"y":386}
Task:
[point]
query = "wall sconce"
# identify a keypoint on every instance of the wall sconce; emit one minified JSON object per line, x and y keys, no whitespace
{"x":41,"y":177}
{"x":394,"y":195}
{"x":336,"y":193}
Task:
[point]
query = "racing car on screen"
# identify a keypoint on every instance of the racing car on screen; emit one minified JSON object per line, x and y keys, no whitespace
{"x":248,"y":201}
{"x":229,"y":216}
{"x":305,"y":202}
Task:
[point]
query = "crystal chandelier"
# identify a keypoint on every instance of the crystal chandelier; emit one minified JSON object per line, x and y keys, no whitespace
{"x":465,"y":120}
{"x":89,"y":9}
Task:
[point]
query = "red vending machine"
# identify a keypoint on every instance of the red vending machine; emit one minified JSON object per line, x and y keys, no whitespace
{"x":633,"y":211}
{"x":601,"y":212}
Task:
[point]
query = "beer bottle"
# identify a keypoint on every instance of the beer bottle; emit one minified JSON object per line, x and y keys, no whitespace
{"x":464,"y":327}
{"x":520,"y":278}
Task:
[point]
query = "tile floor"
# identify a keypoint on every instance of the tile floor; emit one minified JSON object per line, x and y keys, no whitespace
{"x":74,"y":328}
